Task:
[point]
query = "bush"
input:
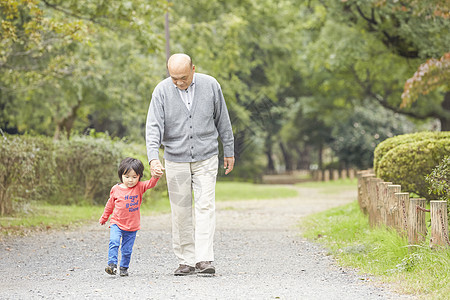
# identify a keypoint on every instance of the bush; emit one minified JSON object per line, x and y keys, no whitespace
{"x":25,"y":166}
{"x":385,"y":146}
{"x":439,"y":181}
{"x":407,"y":164}
{"x":86,"y":169}
{"x":79,"y":171}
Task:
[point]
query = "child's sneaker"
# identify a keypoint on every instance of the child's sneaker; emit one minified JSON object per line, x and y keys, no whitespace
{"x":111,"y":269}
{"x":123,"y":271}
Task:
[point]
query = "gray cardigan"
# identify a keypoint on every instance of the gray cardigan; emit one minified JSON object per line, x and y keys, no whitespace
{"x":188,"y":136}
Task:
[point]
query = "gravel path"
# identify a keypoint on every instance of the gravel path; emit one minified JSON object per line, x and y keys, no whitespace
{"x":259,"y":255}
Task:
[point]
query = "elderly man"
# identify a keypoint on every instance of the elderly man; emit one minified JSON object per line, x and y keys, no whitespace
{"x":187,"y":114}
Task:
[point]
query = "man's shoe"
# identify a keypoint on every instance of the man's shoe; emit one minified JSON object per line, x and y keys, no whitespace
{"x":123,"y":271}
{"x":111,"y":269}
{"x":184,"y":270}
{"x":205,"y":267}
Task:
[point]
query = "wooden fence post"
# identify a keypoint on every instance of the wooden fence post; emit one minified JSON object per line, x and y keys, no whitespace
{"x":364,"y":192}
{"x":383,"y":187}
{"x":373,"y":201}
{"x":359,"y":179}
{"x":417,"y":228}
{"x":351,"y":174}
{"x":319,"y":175}
{"x":392,"y":205}
{"x":439,"y":224}
{"x":402,"y":215}
{"x":326,"y":175}
{"x":334,"y":174}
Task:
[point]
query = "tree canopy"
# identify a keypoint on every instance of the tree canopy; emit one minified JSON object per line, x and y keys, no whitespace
{"x":297,"y":75}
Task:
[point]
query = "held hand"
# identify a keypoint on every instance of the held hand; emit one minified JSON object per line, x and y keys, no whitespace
{"x":228,"y":164}
{"x":156,"y":168}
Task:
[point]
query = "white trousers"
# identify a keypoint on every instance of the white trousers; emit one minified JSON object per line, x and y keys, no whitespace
{"x":192,"y":230}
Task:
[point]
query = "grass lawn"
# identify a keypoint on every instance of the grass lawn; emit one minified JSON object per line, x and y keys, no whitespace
{"x":43,"y":216}
{"x":331,"y":187}
{"x":226,"y":191}
{"x":345,"y":232}
{"x":40,"y":216}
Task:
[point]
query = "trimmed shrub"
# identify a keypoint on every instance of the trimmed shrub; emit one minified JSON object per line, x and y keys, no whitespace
{"x":385,"y":146}
{"x":407,"y":164}
{"x":86,"y":169}
{"x":79,"y":171}
{"x":25,"y":165}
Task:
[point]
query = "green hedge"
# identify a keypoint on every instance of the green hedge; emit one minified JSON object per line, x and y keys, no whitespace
{"x":411,"y":160}
{"x":79,"y":171}
{"x":85,"y":169}
{"x":24,"y":163}
{"x":385,"y":146}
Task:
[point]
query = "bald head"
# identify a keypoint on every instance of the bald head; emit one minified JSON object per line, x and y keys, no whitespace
{"x":179,"y":60}
{"x":181,"y":70}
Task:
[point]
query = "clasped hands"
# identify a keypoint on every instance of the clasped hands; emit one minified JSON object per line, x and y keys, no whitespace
{"x":157,"y":169}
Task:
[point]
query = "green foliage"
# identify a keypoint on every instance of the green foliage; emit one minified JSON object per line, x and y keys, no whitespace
{"x":439,"y":181}
{"x":69,"y":65}
{"x":289,"y":69}
{"x":388,"y":144}
{"x":79,"y":171}
{"x":410,"y":161}
{"x":356,"y":137}
{"x":23,"y":160}
{"x":381,"y":252}
{"x":85,"y":170}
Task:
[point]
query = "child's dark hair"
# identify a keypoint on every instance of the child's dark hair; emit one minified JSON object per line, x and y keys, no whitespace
{"x":131,"y":164}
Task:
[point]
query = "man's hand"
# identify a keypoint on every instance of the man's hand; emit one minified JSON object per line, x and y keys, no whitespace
{"x":228,"y":164}
{"x":156,"y":168}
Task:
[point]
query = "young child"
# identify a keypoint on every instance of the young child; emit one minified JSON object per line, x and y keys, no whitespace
{"x":124,"y":202}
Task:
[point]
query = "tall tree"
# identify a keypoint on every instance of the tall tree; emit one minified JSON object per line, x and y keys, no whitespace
{"x":77,"y":58}
{"x":405,"y":36}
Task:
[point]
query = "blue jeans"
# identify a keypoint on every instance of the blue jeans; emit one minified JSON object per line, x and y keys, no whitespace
{"x":128,"y":238}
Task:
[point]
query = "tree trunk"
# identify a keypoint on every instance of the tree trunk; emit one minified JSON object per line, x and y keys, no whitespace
{"x":320,"y":158}
{"x":239,"y":144}
{"x":304,"y":157}
{"x":287,"y":157}
{"x":58,"y":130}
{"x":66,"y":123}
{"x":270,"y":163}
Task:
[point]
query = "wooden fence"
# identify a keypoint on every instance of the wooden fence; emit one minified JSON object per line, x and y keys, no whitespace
{"x":333,"y":174}
{"x":385,"y":204}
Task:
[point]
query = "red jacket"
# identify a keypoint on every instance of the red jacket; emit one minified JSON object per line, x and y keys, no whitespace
{"x":124,"y":204}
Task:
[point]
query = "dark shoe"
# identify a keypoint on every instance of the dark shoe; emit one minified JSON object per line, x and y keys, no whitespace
{"x":111,"y":269}
{"x":123,"y":271}
{"x":205,"y":267}
{"x":184,"y":270}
